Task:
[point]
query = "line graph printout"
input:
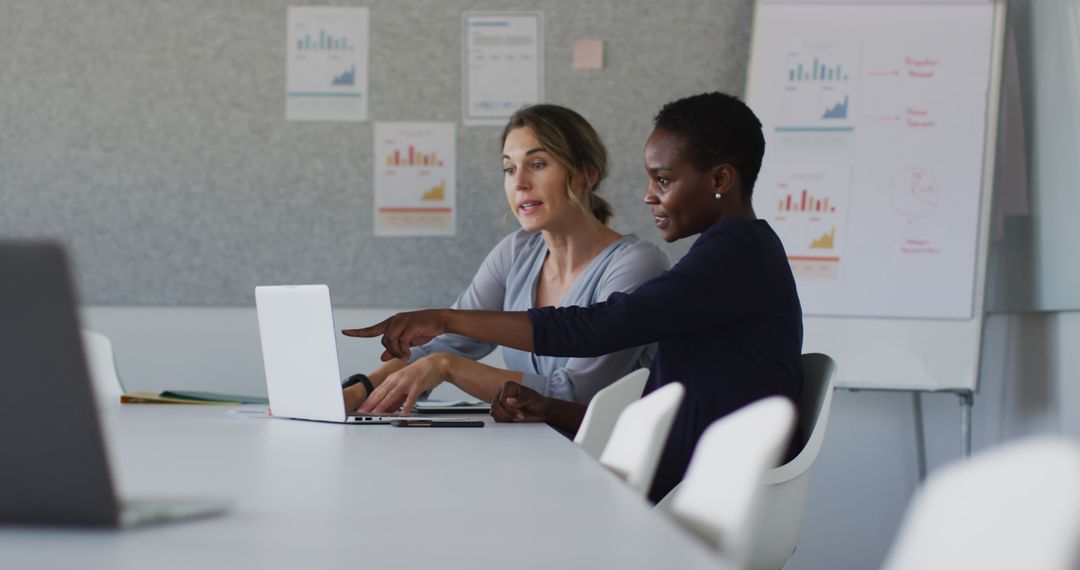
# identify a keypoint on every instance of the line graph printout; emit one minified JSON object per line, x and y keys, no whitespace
{"x":874,"y":125}
{"x":327,"y":64}
{"x":415,"y":179}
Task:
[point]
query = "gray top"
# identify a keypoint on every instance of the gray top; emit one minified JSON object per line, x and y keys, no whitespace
{"x":507,"y":281}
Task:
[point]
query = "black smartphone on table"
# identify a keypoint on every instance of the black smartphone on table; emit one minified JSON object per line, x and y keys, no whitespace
{"x":441,"y":422}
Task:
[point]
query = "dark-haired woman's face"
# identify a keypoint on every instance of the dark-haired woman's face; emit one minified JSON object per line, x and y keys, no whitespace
{"x":681,"y":199}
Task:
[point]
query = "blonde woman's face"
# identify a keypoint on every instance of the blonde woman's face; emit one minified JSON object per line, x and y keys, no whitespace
{"x":535,"y":184}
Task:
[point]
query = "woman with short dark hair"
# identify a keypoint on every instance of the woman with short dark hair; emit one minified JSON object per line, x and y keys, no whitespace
{"x":726,"y":317}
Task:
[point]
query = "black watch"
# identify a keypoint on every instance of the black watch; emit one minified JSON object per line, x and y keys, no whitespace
{"x":360,"y":379}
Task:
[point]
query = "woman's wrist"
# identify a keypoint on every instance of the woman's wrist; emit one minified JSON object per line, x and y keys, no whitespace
{"x":378,"y":376}
{"x":447,"y":318}
{"x":355,"y":395}
{"x":444,"y":365}
{"x":564,"y":415}
{"x":360,"y":380}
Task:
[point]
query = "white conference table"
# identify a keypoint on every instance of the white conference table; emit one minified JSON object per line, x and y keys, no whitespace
{"x":314,"y":495}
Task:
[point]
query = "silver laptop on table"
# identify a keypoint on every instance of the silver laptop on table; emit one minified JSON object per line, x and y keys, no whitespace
{"x":55,"y":468}
{"x":299,"y":347}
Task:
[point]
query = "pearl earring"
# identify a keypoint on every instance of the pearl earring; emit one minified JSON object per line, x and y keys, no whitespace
{"x":718,"y":195}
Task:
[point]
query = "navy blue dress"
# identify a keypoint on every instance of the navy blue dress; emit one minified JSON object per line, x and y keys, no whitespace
{"x":728,"y":325}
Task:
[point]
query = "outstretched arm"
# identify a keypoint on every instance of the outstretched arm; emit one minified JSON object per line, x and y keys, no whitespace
{"x":405,"y":330}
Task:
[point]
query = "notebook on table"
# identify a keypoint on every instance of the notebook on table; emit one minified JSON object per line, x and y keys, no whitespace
{"x":55,"y":466}
{"x":299,"y":347}
{"x":464,"y":406}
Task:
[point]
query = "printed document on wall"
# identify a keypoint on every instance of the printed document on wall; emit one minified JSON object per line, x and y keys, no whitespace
{"x":502,"y":64}
{"x":875,"y":122}
{"x":415,"y":179}
{"x":327,"y":64}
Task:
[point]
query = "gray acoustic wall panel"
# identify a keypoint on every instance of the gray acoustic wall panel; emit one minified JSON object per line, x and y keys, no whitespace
{"x":150,"y":136}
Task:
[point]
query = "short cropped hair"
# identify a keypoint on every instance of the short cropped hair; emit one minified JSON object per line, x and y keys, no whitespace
{"x":716,"y":128}
{"x":571,"y":141}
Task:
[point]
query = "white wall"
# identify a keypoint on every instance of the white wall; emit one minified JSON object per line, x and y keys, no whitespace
{"x":216,"y":348}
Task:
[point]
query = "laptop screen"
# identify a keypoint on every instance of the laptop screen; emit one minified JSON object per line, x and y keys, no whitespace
{"x":299,"y":347}
{"x":55,"y":466}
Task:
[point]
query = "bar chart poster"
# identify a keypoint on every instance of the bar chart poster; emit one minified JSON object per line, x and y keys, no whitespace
{"x":415,"y":179}
{"x":503,"y":64}
{"x":327,"y":64}
{"x":875,"y":122}
{"x":808,"y":209}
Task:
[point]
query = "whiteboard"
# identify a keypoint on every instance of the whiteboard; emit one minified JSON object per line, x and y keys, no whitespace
{"x":879,"y":122}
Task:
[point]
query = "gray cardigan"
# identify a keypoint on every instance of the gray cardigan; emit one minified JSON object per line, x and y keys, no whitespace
{"x":507,"y":281}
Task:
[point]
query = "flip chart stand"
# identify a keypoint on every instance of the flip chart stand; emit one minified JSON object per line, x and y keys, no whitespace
{"x":967,"y":401}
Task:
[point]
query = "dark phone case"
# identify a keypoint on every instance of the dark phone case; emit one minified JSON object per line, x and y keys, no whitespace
{"x":436,"y":423}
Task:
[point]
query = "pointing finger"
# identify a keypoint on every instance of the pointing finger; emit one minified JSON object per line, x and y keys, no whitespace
{"x":366,"y":332}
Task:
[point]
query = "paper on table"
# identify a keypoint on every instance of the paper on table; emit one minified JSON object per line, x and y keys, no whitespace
{"x":448,"y":403}
{"x":250,"y":411}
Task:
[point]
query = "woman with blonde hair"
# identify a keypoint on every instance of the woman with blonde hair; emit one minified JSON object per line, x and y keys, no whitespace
{"x":564,"y":254}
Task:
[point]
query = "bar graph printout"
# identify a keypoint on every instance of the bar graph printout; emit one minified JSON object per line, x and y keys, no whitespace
{"x":415,"y":179}
{"x":327,"y":64}
{"x":874,"y":122}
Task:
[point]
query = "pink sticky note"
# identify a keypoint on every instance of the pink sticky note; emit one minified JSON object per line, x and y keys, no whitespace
{"x":588,"y":54}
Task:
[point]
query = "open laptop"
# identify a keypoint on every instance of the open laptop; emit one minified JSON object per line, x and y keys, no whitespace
{"x":299,"y":347}
{"x":55,"y":467}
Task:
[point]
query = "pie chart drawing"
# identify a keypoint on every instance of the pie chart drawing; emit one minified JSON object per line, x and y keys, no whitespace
{"x":914,"y":192}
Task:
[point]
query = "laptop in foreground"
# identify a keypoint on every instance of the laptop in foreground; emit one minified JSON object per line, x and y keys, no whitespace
{"x":299,"y":347}
{"x":55,"y":466}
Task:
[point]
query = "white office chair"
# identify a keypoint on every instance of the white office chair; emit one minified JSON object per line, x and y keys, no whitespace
{"x":102,"y":368}
{"x":718,"y":498}
{"x":604,"y":410}
{"x":1017,"y":506}
{"x":783,"y":499}
{"x":633,"y":452}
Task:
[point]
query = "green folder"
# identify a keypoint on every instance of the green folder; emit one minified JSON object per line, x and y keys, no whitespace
{"x":215,"y":397}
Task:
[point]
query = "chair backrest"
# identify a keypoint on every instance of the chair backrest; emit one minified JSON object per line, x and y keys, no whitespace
{"x":102,"y":368}
{"x":1017,"y":506}
{"x":633,"y":451}
{"x":783,"y":500}
{"x":604,"y":410}
{"x":815,"y":400}
{"x":718,"y":498}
